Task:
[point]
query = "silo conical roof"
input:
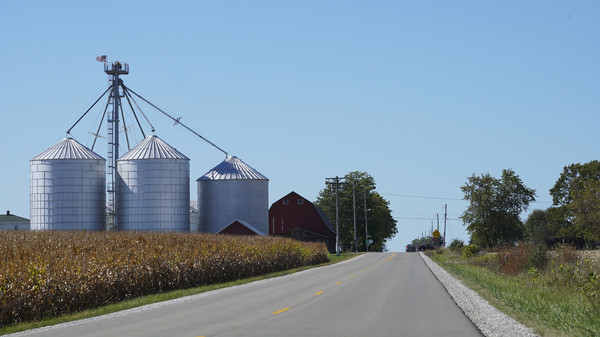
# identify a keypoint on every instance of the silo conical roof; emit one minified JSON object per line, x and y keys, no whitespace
{"x":153,"y":147}
{"x":68,"y":148}
{"x":233,"y":168}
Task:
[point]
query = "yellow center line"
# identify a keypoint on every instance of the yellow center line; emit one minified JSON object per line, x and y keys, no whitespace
{"x":319,"y":293}
{"x":362,"y":271}
{"x":339,"y":282}
{"x":280,"y":311}
{"x":351,"y":276}
{"x":390,"y":257}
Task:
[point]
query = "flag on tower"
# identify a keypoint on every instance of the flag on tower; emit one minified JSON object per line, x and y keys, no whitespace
{"x":101,"y":58}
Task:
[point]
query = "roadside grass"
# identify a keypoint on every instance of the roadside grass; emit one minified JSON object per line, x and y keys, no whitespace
{"x":533,"y":297}
{"x":161,"y":297}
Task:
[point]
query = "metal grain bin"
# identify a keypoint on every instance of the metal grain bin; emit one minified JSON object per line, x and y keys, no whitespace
{"x":68,"y":184}
{"x":233,"y":191}
{"x":153,"y":188}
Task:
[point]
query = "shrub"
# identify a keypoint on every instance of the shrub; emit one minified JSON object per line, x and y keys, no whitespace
{"x":569,"y":269}
{"x":565,"y":254}
{"x":456,"y":245}
{"x":538,"y":257}
{"x":470,"y":250}
{"x":515,"y":260}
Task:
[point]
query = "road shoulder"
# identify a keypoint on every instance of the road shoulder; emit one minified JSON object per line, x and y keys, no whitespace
{"x":490,"y":321}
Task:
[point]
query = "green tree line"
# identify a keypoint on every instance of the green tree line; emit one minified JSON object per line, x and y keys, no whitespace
{"x":492,"y":217}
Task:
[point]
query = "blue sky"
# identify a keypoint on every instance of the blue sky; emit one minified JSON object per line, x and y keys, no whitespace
{"x":419,"y":94}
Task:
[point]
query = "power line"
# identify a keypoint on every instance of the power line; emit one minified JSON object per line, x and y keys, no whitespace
{"x":444,"y":198}
{"x":429,"y":218}
{"x":420,"y":196}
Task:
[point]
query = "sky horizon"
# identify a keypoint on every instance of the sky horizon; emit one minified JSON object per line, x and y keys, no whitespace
{"x":419,"y":95}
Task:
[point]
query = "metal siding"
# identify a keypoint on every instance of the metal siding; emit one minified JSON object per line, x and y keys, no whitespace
{"x":66,"y":193}
{"x":154,"y":193}
{"x":220,"y":202}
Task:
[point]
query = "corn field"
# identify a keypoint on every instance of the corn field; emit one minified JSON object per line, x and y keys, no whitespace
{"x":45,"y":274}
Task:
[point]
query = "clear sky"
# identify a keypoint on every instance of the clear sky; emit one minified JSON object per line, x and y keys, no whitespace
{"x":419,"y":94}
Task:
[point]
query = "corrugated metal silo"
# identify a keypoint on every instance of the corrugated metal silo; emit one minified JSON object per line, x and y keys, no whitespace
{"x":68,"y":184}
{"x":233,"y":191}
{"x":153,"y":188}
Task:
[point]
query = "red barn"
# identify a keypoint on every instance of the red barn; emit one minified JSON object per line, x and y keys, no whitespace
{"x":239,"y":227}
{"x":294,"y":216}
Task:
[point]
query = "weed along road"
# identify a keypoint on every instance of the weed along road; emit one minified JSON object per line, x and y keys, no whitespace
{"x":376,"y":294}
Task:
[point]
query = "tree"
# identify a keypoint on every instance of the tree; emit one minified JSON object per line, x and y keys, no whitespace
{"x":381,"y":224}
{"x":576,"y":200}
{"x":571,"y":179}
{"x":538,"y":229}
{"x":585,"y":208}
{"x":492,"y":217}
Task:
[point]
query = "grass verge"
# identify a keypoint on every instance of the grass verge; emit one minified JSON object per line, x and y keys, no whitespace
{"x":145,"y":300}
{"x":532,"y":298}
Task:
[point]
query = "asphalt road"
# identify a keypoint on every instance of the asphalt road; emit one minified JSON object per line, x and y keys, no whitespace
{"x":377,"y":294}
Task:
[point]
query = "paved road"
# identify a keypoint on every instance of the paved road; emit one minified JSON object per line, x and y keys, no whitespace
{"x":377,"y":294}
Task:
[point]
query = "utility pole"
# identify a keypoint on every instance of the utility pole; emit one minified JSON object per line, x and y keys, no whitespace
{"x":445,"y":217}
{"x":336,"y":182}
{"x":354,"y":214}
{"x":437,"y":240}
{"x":431,"y":233}
{"x":366,"y":228}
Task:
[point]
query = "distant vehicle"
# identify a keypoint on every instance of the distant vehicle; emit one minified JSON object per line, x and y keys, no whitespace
{"x":411,"y":248}
{"x":425,"y":247}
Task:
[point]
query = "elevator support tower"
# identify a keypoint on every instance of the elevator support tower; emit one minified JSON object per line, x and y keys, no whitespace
{"x":113,"y":70}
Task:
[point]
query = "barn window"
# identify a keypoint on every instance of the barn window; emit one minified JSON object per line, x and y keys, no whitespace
{"x":300,"y":201}
{"x":286,"y":202}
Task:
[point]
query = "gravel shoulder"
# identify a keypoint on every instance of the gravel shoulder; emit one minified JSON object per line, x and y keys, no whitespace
{"x":490,"y":321}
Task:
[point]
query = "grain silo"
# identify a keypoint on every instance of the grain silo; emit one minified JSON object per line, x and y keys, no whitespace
{"x":153,"y":188}
{"x":233,"y":191}
{"x":68,"y":184}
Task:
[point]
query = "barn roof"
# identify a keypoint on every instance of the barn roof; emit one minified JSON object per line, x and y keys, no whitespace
{"x":324,"y":217}
{"x":245,"y":224}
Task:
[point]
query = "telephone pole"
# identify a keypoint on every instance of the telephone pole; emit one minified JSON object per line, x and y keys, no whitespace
{"x":445,"y":217}
{"x":337,"y":182}
{"x":366,"y":228}
{"x":354,"y":214}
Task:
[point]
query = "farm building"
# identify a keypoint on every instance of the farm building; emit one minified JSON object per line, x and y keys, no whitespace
{"x":294,"y":216}
{"x":232,"y":191}
{"x":68,"y":184}
{"x":239,"y":227}
{"x":154,"y":188}
{"x":10,"y":221}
